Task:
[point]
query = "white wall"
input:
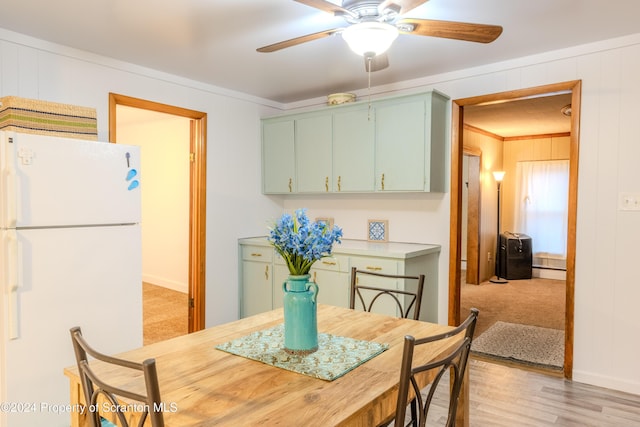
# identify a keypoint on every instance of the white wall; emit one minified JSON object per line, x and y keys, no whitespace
{"x":164,"y":140}
{"x":607,"y":289}
{"x":33,"y":68}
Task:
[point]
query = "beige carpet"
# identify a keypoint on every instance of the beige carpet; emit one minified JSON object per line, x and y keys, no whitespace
{"x":164,"y":313}
{"x":536,"y":302}
{"x":530,"y":302}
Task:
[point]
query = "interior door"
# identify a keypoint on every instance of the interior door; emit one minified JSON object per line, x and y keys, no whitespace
{"x":471,"y":224}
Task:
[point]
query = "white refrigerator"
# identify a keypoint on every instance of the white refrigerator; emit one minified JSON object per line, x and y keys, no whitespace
{"x":70,"y":255}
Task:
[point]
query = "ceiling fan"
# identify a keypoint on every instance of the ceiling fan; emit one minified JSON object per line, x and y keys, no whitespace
{"x":374,"y":25}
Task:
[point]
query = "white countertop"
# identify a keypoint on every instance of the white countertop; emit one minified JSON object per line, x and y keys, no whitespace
{"x":363,"y":247}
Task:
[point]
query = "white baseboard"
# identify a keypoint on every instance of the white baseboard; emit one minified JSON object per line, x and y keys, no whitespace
{"x":546,"y":273}
{"x":165,"y":283}
{"x":606,"y":382}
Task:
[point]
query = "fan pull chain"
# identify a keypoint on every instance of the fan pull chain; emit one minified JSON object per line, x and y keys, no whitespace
{"x":369,"y":87}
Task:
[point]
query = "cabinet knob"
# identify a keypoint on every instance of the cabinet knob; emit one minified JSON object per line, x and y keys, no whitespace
{"x":290,"y":185}
{"x":256,"y":254}
{"x":382,"y":181}
{"x":339,"y":182}
{"x":326,"y":184}
{"x":373,"y":268}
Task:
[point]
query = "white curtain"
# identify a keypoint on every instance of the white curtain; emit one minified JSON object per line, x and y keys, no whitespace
{"x":541,"y":211}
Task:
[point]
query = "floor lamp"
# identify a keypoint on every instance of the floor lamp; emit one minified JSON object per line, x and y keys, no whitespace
{"x":498,"y":176}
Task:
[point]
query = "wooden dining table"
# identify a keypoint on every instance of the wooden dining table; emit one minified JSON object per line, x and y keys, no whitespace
{"x":201,"y":385}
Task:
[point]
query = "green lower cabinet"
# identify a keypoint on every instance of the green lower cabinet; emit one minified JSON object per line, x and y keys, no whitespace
{"x":262,"y":273}
{"x":280,"y":275}
{"x":332,"y":276}
{"x":257,"y":271}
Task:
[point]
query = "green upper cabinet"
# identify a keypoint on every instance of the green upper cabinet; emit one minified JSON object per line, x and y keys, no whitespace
{"x":411,"y":143}
{"x":313,"y":153}
{"x":436,"y":146}
{"x":353,"y":150}
{"x":278,"y":160}
{"x":395,"y":144}
{"x":400,"y":144}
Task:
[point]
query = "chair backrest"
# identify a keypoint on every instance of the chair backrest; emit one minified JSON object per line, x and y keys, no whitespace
{"x":404,"y":300}
{"x":455,"y":361}
{"x":150,"y":404}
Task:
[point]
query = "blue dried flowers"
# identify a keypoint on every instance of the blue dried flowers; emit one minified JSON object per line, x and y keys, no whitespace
{"x":302,"y":242}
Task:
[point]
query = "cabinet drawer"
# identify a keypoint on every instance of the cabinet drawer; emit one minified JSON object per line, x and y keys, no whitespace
{"x":375,"y":265}
{"x":277,"y":258}
{"x":332,"y":263}
{"x":257,"y":253}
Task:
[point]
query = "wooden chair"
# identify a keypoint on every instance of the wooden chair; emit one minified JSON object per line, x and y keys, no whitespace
{"x":404,"y":299}
{"x":94,"y":387}
{"x":455,"y":362}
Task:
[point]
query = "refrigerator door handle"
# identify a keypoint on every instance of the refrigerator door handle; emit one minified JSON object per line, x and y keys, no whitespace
{"x":13,"y":282}
{"x":9,"y":192}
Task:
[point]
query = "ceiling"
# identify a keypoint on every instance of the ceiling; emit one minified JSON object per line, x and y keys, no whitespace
{"x":541,"y":115}
{"x":215,"y":41}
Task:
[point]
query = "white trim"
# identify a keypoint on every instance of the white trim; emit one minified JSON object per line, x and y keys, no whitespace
{"x":546,"y":273}
{"x":166,"y":283}
{"x":93,"y":58}
{"x":407,"y":86}
{"x":606,"y":381}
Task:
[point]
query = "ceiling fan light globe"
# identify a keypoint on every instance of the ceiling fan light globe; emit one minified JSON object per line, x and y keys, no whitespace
{"x":370,"y":38}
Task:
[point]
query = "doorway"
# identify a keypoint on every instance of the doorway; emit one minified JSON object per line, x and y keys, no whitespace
{"x":196,"y":199}
{"x":455,"y":255}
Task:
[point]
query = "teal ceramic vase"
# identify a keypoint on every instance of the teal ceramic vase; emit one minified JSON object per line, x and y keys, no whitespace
{"x":300,"y":315}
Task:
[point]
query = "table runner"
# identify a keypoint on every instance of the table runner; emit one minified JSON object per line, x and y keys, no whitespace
{"x":335,"y":356}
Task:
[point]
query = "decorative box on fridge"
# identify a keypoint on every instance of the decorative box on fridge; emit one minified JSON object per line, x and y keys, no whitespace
{"x":515,"y":256}
{"x":47,"y":118}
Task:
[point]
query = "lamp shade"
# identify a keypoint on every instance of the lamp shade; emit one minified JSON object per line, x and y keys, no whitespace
{"x":370,"y":38}
{"x":498,"y":175}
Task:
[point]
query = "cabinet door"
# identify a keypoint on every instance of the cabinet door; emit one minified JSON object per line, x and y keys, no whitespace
{"x":353,"y":150}
{"x":257,"y":262}
{"x":313,"y":154}
{"x":256,"y":287}
{"x":384,"y":304}
{"x":400,"y":145}
{"x":332,"y":276}
{"x":280,"y":275}
{"x":278,"y":156}
{"x":333,"y":287}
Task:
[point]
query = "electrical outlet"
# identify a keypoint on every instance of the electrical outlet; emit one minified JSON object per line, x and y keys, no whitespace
{"x":629,"y":201}
{"x":489,"y":256}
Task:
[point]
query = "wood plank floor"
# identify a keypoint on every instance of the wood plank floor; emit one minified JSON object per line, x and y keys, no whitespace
{"x":502,"y":396}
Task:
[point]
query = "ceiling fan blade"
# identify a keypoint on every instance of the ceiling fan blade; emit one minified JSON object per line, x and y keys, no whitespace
{"x":326,"y":6}
{"x":404,"y":5}
{"x":378,"y":62}
{"x":298,"y":40}
{"x":479,"y":33}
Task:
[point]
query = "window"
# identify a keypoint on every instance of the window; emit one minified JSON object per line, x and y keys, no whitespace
{"x":542,"y":194}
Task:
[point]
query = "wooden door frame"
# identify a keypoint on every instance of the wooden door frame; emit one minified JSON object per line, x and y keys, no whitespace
{"x":197,"y":194}
{"x":457,"y":121}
